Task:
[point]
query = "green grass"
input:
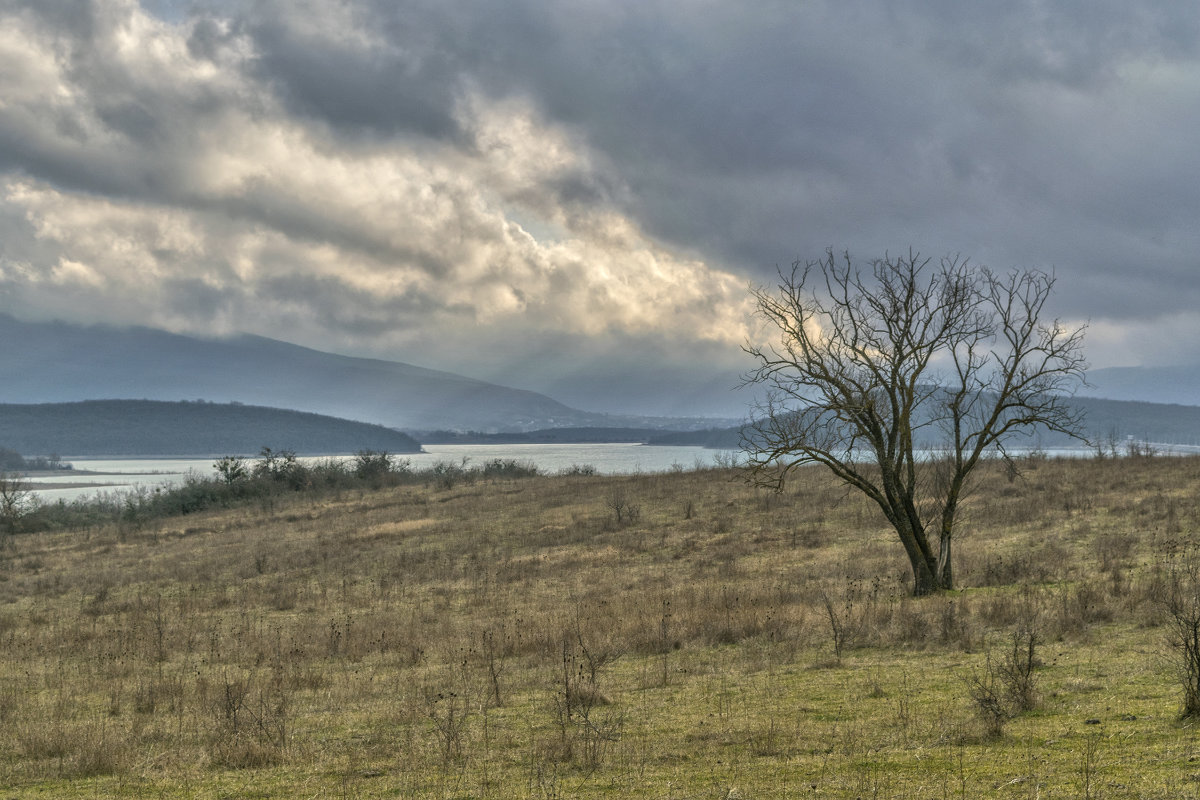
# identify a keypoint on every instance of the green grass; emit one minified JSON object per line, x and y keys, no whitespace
{"x":354,"y":645}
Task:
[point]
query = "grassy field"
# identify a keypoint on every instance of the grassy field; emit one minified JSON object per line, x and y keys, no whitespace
{"x":671,"y":636}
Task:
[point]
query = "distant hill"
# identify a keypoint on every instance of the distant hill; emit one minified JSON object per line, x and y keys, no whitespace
{"x":153,"y":428}
{"x":1177,"y":384}
{"x":50,"y":362}
{"x":1163,"y":423}
{"x":714,"y":438}
{"x":1104,"y":421}
{"x":545,"y":436}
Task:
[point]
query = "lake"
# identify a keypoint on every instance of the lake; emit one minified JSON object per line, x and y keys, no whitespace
{"x":110,"y":474}
{"x":608,"y":459}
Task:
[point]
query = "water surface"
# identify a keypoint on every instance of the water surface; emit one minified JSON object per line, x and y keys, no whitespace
{"x":109,"y":474}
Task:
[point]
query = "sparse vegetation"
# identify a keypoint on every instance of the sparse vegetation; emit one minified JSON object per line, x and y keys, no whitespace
{"x":501,"y":637}
{"x":13,"y":461}
{"x":238,"y":482}
{"x":16,"y":499}
{"x":1182,"y":603}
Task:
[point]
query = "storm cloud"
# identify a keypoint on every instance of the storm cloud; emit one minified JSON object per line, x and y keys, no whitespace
{"x":544,"y":193}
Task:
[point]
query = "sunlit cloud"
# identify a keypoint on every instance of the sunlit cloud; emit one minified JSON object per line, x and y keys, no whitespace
{"x":1163,"y":340}
{"x":270,"y":219}
{"x":471,"y":186}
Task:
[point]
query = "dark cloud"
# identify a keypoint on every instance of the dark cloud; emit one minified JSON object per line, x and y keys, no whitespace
{"x":207,"y":39}
{"x":379,"y":174}
{"x":337,"y":305}
{"x":401,"y":84}
{"x":1053,"y":135}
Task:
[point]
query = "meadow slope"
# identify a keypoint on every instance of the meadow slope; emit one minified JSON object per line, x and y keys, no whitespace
{"x":680,"y":635}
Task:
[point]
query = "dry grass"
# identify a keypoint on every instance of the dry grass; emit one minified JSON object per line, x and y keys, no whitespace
{"x":517,"y":639}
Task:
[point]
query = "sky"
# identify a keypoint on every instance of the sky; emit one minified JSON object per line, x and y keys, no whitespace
{"x":575,"y":197}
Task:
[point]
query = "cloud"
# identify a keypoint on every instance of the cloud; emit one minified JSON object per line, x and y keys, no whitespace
{"x":464,"y":185}
{"x":198,"y":195}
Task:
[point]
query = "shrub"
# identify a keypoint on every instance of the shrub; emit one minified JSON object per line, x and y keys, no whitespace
{"x":509,"y":468}
{"x":281,"y":466}
{"x":232,"y":469}
{"x":1182,"y":604}
{"x":372,"y":465}
{"x":1006,"y":686}
{"x":16,"y":500}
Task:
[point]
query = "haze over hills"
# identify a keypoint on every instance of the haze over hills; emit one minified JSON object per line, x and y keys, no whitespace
{"x":48,"y":362}
{"x":1177,"y":384}
{"x":55,"y":362}
{"x":1106,"y":423}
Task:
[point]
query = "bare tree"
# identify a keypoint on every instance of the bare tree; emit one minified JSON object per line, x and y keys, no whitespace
{"x":900,"y":376}
{"x":15,"y":500}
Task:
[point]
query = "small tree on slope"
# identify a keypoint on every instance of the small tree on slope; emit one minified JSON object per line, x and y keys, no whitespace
{"x":900,"y":377}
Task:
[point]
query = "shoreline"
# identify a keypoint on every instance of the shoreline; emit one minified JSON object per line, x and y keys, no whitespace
{"x":43,"y":487}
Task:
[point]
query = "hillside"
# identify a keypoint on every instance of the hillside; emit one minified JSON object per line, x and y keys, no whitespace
{"x":152,"y":428}
{"x":518,"y":638}
{"x":1177,"y":384}
{"x":544,"y":436}
{"x":54,"y":362}
{"x":1105,"y":421}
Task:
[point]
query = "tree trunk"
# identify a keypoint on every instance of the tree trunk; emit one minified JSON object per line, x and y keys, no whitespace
{"x":945,"y":564}
{"x":925,"y":575}
{"x":924,"y":581}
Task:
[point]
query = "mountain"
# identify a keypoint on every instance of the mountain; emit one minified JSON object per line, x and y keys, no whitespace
{"x":154,"y":428}
{"x":1119,"y":420}
{"x":1177,"y":384}
{"x":49,"y":362}
{"x":653,"y":383}
{"x":544,"y":436}
{"x":1106,"y":422}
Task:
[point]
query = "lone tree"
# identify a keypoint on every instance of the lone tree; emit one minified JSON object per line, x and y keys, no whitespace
{"x":900,"y":377}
